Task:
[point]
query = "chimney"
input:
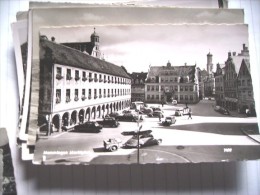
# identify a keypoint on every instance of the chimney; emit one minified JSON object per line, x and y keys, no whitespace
{"x":234,"y":53}
{"x":53,"y":39}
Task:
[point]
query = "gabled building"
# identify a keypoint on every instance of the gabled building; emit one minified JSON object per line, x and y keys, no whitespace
{"x":245,"y":92}
{"x":219,"y":85}
{"x":138,"y":86}
{"x":167,"y":83}
{"x":230,"y":84}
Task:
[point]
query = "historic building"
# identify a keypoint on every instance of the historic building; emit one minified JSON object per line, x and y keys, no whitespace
{"x":209,"y":80}
{"x":76,"y":87}
{"x":245,"y":93}
{"x":138,"y":86}
{"x":219,"y":85}
{"x":230,"y":83}
{"x":167,"y":83}
{"x":91,"y":48}
{"x":202,"y":76}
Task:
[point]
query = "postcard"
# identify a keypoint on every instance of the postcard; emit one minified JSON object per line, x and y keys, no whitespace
{"x":145,"y":94}
{"x":117,"y":15}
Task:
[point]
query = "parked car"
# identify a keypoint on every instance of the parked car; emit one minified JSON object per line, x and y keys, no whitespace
{"x":113,"y":114}
{"x":109,"y":121}
{"x":169,"y":120}
{"x":112,"y":144}
{"x":90,"y":126}
{"x":156,"y":114}
{"x":178,"y":112}
{"x":127,"y":117}
{"x":221,"y":110}
{"x":144,"y":140}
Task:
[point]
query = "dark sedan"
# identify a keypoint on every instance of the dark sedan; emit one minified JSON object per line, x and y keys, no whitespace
{"x":144,"y":140}
{"x":90,"y":126}
{"x":127,"y":117}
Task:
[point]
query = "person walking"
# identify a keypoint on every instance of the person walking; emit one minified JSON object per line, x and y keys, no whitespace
{"x":160,"y":116}
{"x":189,"y":115}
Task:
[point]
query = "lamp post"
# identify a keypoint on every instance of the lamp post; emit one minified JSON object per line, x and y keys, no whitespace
{"x":138,"y":133}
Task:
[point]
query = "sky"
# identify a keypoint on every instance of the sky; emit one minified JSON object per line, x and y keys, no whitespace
{"x":138,"y":46}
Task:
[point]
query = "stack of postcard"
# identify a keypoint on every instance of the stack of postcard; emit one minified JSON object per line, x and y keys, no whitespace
{"x":139,"y":82}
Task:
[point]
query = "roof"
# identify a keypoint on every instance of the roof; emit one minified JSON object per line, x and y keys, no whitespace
{"x":139,"y":75}
{"x":64,"y":55}
{"x":237,"y":60}
{"x":186,"y":70}
{"x":82,"y":46}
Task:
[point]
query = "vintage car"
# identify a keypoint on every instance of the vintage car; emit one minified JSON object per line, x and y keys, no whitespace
{"x":144,"y":140}
{"x":109,"y":121}
{"x":127,"y":117}
{"x":112,"y":144}
{"x":169,"y":120}
{"x":221,"y":110}
{"x":90,"y":126}
{"x":156,"y":114}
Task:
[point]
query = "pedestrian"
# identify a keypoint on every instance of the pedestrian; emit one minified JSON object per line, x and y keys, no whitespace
{"x":160,"y":117}
{"x":189,"y":115}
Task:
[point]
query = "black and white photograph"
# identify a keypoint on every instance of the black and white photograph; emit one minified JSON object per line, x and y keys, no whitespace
{"x":101,"y":15}
{"x":123,"y":94}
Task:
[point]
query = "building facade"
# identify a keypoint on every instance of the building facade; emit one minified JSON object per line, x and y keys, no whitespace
{"x":230,"y":84}
{"x":167,"y":83}
{"x":209,"y":80}
{"x":76,"y":87}
{"x":138,"y":86}
{"x":219,"y":85}
{"x":245,"y":93}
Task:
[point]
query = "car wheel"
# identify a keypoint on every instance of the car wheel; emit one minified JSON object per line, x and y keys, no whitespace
{"x":113,"y":148}
{"x":140,"y":145}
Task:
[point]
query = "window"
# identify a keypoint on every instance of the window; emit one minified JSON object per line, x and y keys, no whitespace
{"x":157,"y":88}
{"x":108,"y":93}
{"x":181,"y":88}
{"x":95,"y":93}
{"x":83,"y":97}
{"x":90,"y":77}
{"x":58,"y":96}
{"x":59,"y":73}
{"x":181,"y":97}
{"x":152,"y":88}
{"x":104,"y":92}
{"x":100,"y":78}
{"x":152,"y":97}
{"x":191,"y":97}
{"x":191,"y":88}
{"x":77,"y":75}
{"x":148,"y":87}
{"x":186,"y":97}
{"x":76,"y":98}
{"x":105,"y":78}
{"x":157,"y":97}
{"x":249,"y":93}
{"x":84,"y":78}
{"x":186,"y":88}
{"x":162,"y":88}
{"x":243,"y":82}
{"x":67,"y":95}
{"x":148,"y":97}
{"x":175,"y":88}
{"x":100,"y":93}
{"x":95,"y":77}
{"x":249,"y":82}
{"x":89,"y":94}
{"x":68,"y":75}
{"x":175,"y":79}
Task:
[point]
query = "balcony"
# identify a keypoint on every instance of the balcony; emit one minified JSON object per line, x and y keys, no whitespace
{"x":76,"y":99}
{"x":83,"y":98}
{"x":68,"y":77}
{"x":95,"y":97}
{"x":58,"y":100}
{"x":59,"y":77}
{"x":68,"y":100}
{"x":90,"y":79}
{"x":84,"y":79}
{"x":77,"y":78}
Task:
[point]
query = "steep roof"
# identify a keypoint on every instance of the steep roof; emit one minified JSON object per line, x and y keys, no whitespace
{"x":85,"y":46}
{"x":139,"y":75}
{"x":186,"y":70}
{"x":71,"y":57}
